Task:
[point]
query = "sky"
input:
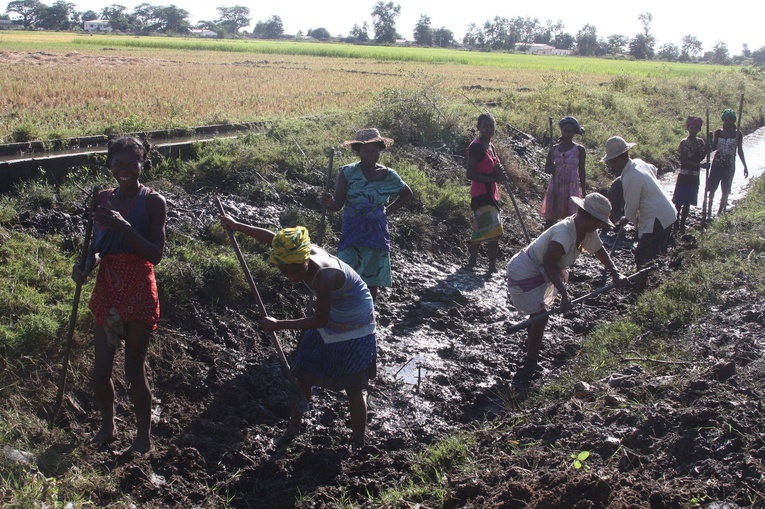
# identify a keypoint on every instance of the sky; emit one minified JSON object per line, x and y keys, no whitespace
{"x":672,"y":19}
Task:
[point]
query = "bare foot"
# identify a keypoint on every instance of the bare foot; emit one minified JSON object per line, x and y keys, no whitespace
{"x":104,"y":437}
{"x":141,"y":446}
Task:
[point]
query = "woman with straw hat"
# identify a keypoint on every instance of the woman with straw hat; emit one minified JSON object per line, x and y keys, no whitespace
{"x":538,"y":273}
{"x":365,"y":188}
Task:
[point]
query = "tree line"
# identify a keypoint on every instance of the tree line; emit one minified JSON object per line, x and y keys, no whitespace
{"x":496,"y":34}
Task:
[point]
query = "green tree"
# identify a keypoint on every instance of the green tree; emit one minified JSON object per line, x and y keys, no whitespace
{"x":443,"y":37}
{"x":423,"y":33}
{"x":89,"y":15}
{"x":642,"y":45}
{"x":616,"y":43}
{"x":384,"y":21}
{"x":320,"y":33}
{"x":119,"y":19}
{"x":758,"y":56}
{"x":233,"y":18}
{"x":170,"y":19}
{"x":720,"y":54}
{"x":690,"y":47}
{"x":272,"y":28}
{"x":59,"y":16}
{"x":564,"y":41}
{"x":669,"y":52}
{"x":359,"y":33}
{"x":587,"y":40}
{"x":27,"y":10}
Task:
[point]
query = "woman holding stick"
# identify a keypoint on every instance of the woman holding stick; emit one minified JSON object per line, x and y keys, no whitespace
{"x":339,"y":348}
{"x":484,"y":169}
{"x":536,"y":274}
{"x":727,"y":142}
{"x":566,"y":163}
{"x":129,"y":242}
{"x":365,"y":188}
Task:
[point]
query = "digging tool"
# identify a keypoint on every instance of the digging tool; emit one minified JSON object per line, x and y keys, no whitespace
{"x":529,"y":321}
{"x":297,"y":394}
{"x":320,"y":236}
{"x":616,"y":239}
{"x":708,"y":144}
{"x":75,"y":307}
{"x":515,"y":204}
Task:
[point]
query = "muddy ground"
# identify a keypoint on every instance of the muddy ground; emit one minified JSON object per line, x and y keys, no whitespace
{"x":677,"y":436}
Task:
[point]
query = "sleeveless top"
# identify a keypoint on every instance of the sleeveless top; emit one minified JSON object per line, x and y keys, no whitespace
{"x":725,"y":156}
{"x":486,"y":160}
{"x":111,"y":242}
{"x":351,"y":313}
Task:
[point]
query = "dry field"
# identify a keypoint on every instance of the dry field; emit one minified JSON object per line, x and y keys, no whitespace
{"x":89,"y":89}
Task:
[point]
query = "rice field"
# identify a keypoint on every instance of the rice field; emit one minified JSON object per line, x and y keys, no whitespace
{"x":55,"y":85}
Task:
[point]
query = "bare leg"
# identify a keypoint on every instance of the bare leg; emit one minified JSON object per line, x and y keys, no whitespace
{"x":549,"y":223}
{"x":103,"y":388}
{"x":534,"y":341}
{"x":473,"y":250}
{"x":710,"y":201}
{"x":493,"y":250}
{"x":358,"y":409}
{"x":683,"y":216}
{"x":296,"y":419}
{"x":136,"y":345}
{"x":373,"y":292}
{"x":723,"y":204}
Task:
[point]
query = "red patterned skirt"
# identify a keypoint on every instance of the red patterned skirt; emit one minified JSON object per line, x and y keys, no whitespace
{"x":126,"y":282}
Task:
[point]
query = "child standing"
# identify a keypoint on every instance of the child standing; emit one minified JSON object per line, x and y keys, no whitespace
{"x":565,"y":163}
{"x":726,"y":142}
{"x":692,"y":152}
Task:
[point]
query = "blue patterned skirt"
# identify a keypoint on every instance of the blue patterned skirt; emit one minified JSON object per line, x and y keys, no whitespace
{"x":336,"y":366}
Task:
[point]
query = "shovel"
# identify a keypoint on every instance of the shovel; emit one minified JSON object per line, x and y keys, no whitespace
{"x":75,"y":307}
{"x":297,"y":394}
{"x":529,"y":321}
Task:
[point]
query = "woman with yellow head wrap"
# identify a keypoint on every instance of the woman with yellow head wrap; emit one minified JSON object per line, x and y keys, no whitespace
{"x":339,"y":348}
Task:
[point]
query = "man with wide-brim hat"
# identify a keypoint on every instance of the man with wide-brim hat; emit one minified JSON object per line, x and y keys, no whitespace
{"x":645,"y":203}
{"x":368,"y":193}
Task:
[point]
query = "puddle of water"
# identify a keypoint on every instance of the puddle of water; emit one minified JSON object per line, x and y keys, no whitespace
{"x":754,"y":152}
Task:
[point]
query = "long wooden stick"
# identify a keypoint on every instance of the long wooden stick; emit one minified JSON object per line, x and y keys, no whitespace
{"x":298,"y":395}
{"x":552,"y":176}
{"x":517,"y":210}
{"x":75,"y":307}
{"x":320,"y":237}
{"x":529,"y":321}
{"x":708,"y":144}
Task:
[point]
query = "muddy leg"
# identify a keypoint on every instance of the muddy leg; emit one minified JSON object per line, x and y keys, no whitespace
{"x":534,"y":342}
{"x":136,"y":346}
{"x":103,"y":388}
{"x":683,"y":217}
{"x":723,"y":204}
{"x":549,"y":223}
{"x":493,"y":250}
{"x":710,"y":202}
{"x":358,"y":409}
{"x":473,"y":250}
{"x":373,"y":292}
{"x":296,"y":419}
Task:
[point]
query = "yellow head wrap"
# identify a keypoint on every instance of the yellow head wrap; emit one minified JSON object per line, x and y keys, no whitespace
{"x":290,"y":245}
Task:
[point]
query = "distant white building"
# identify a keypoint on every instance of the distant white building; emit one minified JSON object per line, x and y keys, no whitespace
{"x":96,"y":25}
{"x":544,"y":49}
{"x":203,"y":32}
{"x":6,"y":24}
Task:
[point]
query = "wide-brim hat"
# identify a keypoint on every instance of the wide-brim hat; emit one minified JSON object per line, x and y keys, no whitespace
{"x":368,"y":135}
{"x":596,"y":205}
{"x":616,"y":146}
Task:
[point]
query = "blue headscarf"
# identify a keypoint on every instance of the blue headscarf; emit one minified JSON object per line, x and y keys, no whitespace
{"x":574,"y":122}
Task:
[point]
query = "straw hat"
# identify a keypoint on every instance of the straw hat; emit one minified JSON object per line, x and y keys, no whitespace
{"x":369,"y":135}
{"x":596,"y":205}
{"x":616,"y":146}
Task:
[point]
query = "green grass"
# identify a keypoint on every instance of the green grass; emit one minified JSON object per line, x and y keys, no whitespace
{"x":410,"y":54}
